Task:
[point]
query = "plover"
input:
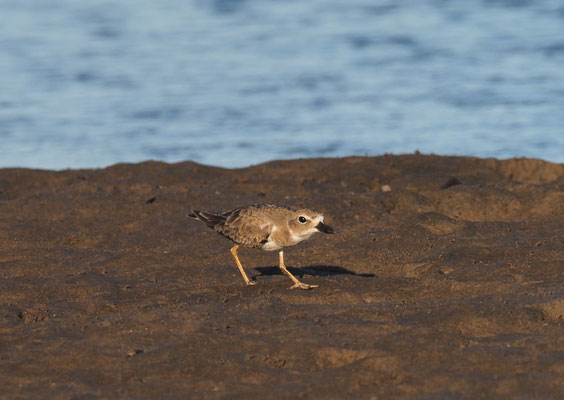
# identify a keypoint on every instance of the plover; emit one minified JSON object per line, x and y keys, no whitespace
{"x":265,"y":226}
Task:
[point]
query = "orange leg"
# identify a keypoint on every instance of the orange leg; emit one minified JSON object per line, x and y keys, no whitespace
{"x":297,"y":283}
{"x":245,"y":277}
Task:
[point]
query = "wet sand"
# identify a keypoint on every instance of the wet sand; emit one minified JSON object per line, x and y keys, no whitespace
{"x":449,"y":285}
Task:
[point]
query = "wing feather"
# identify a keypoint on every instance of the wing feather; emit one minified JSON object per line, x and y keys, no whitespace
{"x":247,"y":228}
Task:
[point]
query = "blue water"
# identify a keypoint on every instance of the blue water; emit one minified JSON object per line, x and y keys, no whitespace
{"x":231,"y":83}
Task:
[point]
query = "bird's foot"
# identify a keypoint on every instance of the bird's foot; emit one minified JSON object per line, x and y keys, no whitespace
{"x":305,"y":286}
{"x":249,"y":282}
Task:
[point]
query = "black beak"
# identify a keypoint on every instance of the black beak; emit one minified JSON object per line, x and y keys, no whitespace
{"x":321,"y":227}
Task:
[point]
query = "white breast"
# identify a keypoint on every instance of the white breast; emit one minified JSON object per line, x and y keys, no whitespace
{"x":271,"y":245}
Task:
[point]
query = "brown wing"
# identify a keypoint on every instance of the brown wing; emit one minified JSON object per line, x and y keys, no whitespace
{"x":210,"y":219}
{"x":246,"y":227}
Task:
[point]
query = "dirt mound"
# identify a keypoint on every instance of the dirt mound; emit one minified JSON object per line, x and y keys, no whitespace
{"x":444,"y":280}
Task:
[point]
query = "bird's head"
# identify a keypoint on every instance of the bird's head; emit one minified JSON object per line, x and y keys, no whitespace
{"x":306,"y":222}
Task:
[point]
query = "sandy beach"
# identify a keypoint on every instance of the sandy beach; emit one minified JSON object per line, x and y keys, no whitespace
{"x":444,"y":280}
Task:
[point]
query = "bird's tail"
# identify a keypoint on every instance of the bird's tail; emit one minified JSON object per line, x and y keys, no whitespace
{"x":211,"y":220}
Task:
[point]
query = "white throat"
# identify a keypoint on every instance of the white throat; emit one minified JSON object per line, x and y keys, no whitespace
{"x":298,"y":237}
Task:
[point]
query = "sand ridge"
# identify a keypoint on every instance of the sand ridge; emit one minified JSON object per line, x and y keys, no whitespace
{"x":449,"y":285}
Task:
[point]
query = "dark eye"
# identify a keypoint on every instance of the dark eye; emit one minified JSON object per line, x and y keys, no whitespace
{"x":302,"y":219}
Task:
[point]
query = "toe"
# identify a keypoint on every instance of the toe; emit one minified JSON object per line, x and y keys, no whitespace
{"x":304,"y":286}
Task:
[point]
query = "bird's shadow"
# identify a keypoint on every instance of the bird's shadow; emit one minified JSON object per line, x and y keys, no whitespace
{"x":314,"y":270}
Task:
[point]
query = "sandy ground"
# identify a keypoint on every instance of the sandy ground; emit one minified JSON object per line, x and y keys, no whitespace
{"x":449,"y":286}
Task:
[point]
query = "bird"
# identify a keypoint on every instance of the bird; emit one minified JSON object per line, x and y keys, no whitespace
{"x":265,"y":226}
